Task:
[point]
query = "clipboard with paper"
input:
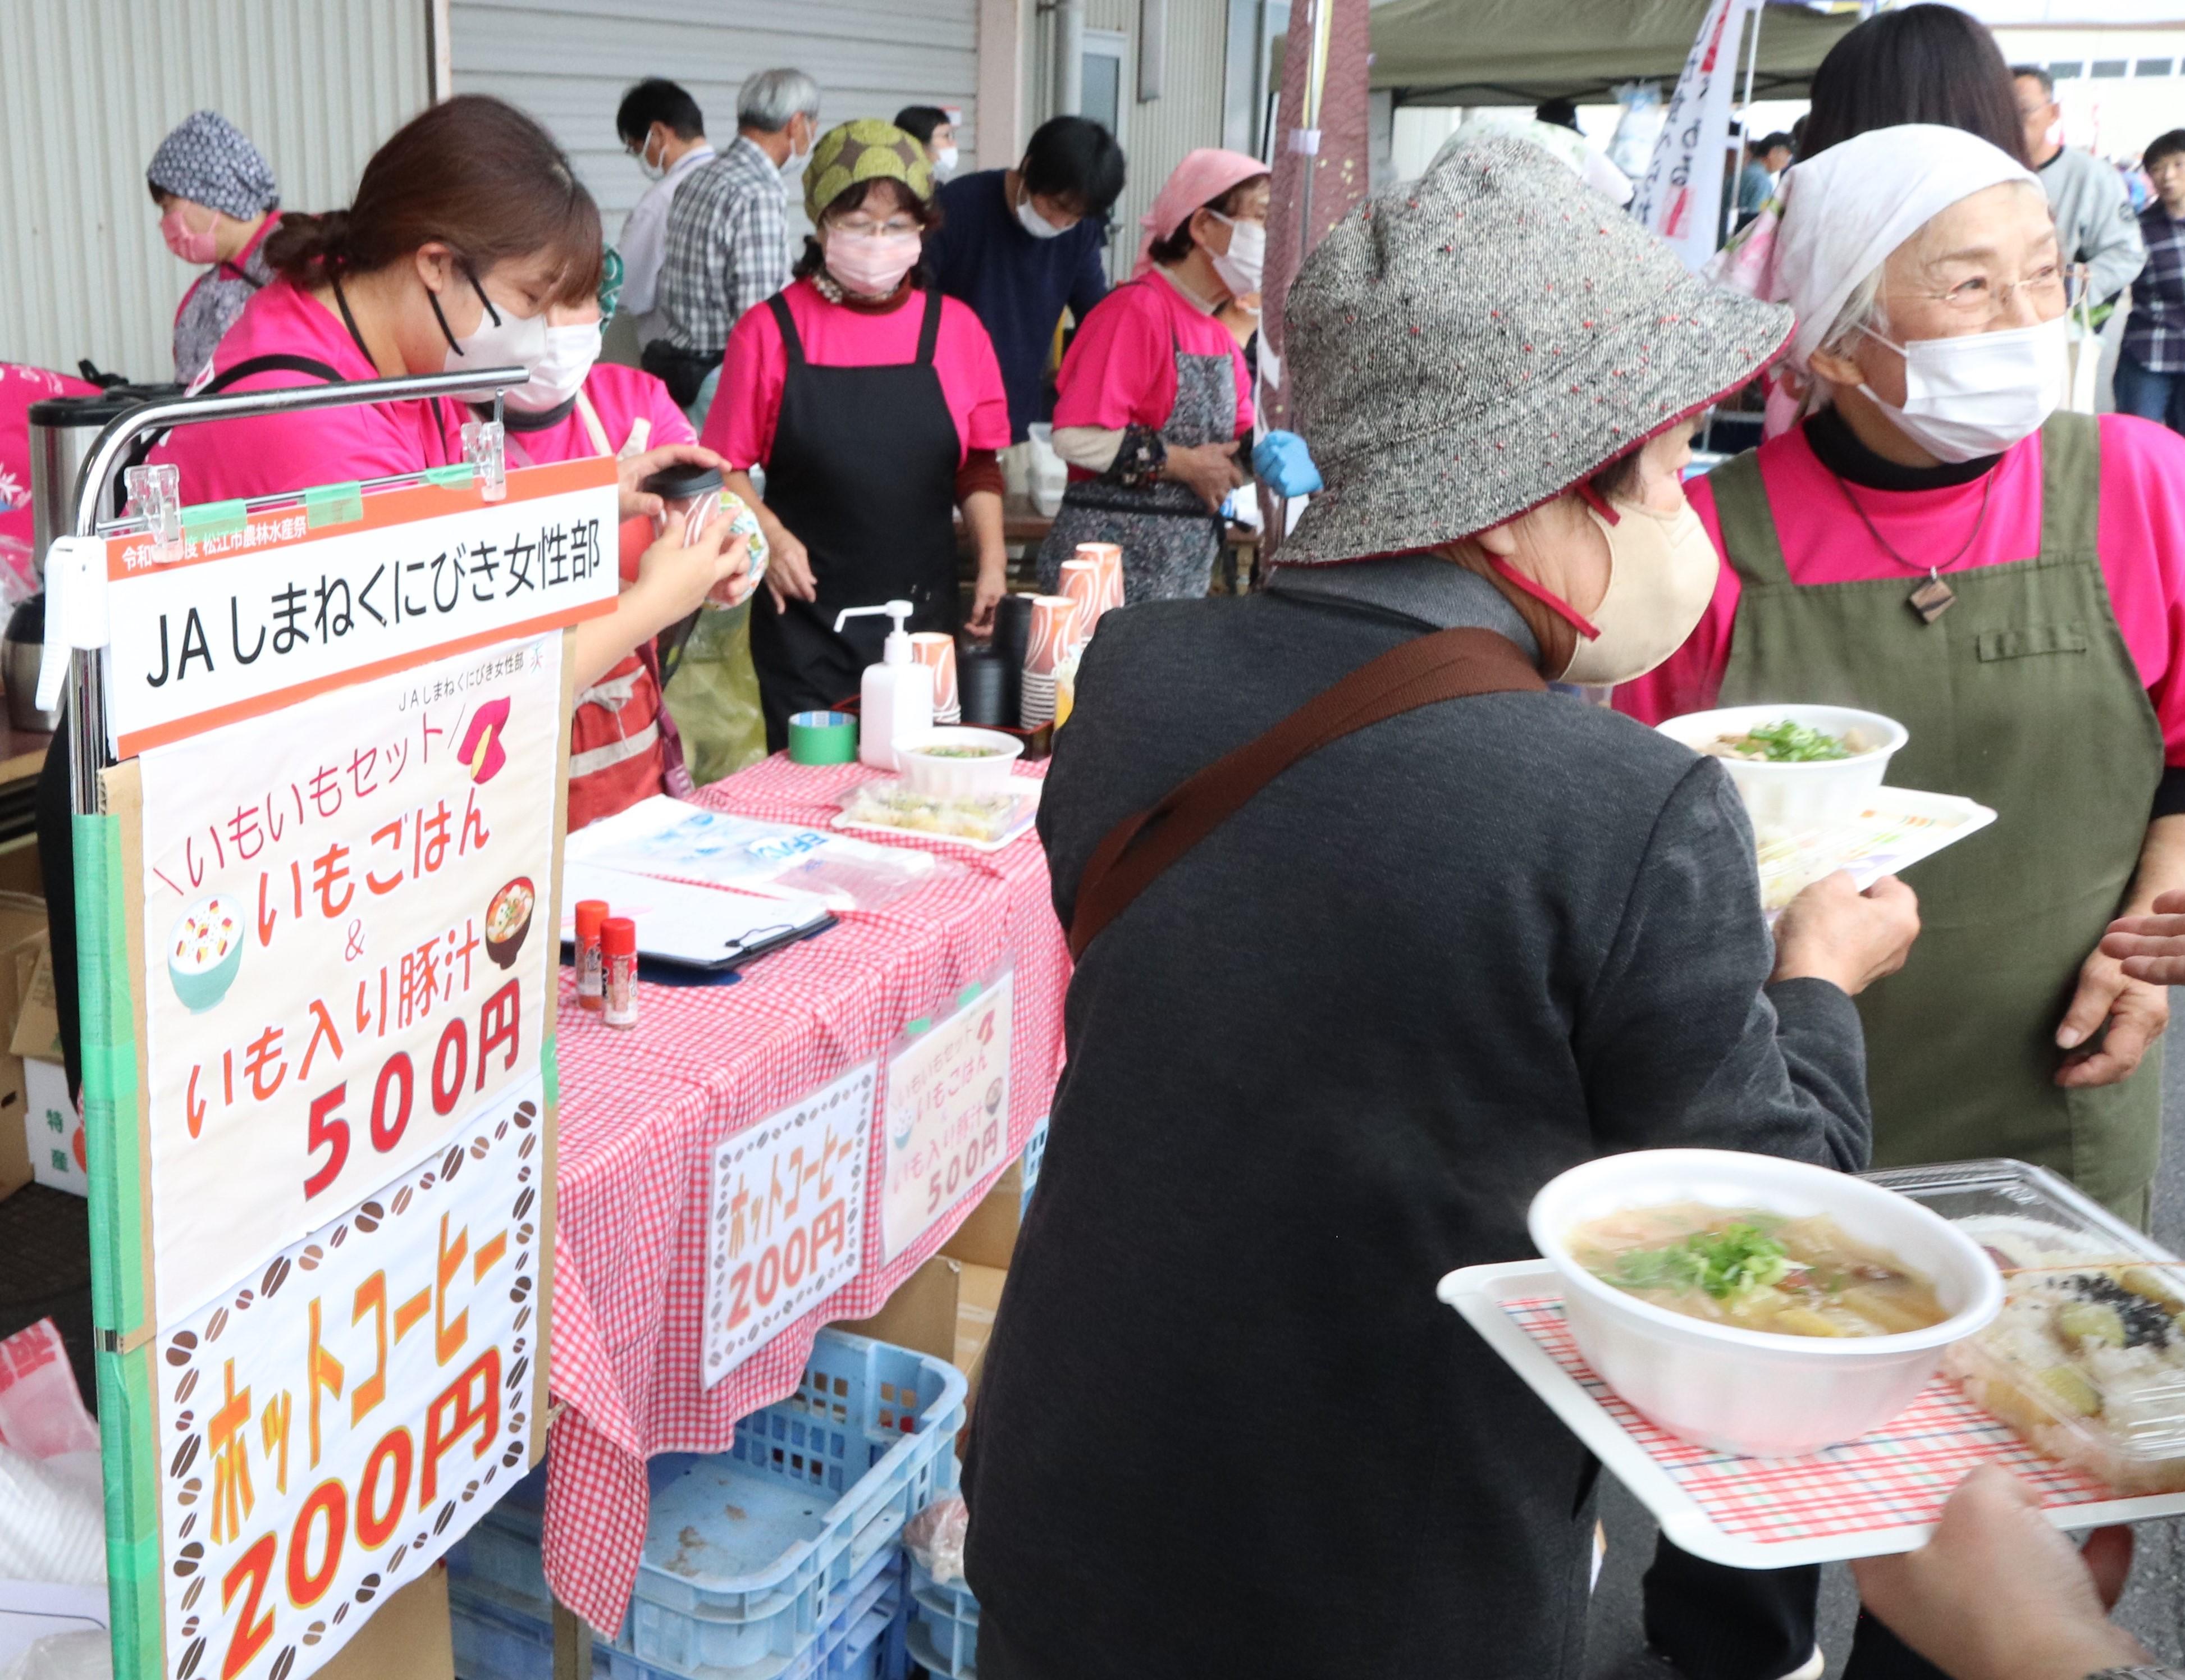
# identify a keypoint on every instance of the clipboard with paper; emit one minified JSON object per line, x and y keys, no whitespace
{"x":701,"y":927}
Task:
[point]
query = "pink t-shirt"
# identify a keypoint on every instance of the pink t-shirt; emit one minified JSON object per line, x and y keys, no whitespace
{"x":753,"y":367}
{"x":270,"y":455}
{"x":1120,"y":369}
{"x":2140,"y":540}
{"x":620,"y":396}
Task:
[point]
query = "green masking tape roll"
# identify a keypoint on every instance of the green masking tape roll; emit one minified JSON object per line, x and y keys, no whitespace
{"x":822,"y":738}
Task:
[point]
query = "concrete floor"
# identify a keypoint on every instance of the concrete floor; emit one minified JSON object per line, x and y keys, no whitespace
{"x":2154,"y":1604}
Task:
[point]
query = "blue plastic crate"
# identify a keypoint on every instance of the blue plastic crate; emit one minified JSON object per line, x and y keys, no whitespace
{"x":496,"y":1638}
{"x":502,"y":1549}
{"x":752,"y":1554}
{"x":944,"y":1630}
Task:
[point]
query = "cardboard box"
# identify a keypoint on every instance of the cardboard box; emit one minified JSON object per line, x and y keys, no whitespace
{"x":409,"y":1638}
{"x":978,"y":1295}
{"x":53,"y":1127}
{"x":921,"y":1314}
{"x":988,"y":1237}
{"x":22,"y":932}
{"x":37,"y":1019}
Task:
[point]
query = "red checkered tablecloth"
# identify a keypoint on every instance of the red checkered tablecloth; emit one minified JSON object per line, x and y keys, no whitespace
{"x":641,"y":1111}
{"x":1897,"y":1476}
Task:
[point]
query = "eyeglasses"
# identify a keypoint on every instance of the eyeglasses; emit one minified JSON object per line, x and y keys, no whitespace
{"x":1983,"y":297}
{"x":864,"y":228}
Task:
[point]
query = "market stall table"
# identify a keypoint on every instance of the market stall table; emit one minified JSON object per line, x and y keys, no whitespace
{"x":643,"y":1110}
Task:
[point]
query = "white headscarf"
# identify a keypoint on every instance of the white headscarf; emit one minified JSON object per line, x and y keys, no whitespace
{"x":1846,"y":210}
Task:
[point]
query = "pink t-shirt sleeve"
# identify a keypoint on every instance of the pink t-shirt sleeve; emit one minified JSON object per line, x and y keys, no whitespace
{"x":2141,"y":540}
{"x":670,"y":425}
{"x":740,"y":426}
{"x":1691,"y":677}
{"x":973,"y":379}
{"x":1244,"y":396}
{"x":1120,"y":369}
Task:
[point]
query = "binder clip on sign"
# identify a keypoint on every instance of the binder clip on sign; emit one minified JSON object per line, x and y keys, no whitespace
{"x":155,"y":497}
{"x":485,"y":446}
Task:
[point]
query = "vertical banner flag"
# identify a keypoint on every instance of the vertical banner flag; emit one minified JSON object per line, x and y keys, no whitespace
{"x":1681,"y":197}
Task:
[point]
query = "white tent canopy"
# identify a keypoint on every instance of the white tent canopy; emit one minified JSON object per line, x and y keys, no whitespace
{"x":1519,"y":52}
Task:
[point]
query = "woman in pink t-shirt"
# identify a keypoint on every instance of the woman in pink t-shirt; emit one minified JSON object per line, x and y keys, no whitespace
{"x":876,"y":406}
{"x":1936,"y":544}
{"x":1154,"y":394}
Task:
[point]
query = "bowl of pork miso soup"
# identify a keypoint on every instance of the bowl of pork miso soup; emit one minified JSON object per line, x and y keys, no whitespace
{"x":1756,"y":1305}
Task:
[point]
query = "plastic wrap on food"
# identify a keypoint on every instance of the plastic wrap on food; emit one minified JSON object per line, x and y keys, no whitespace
{"x":2087,"y":1360}
{"x":935,"y":1538}
{"x":982,"y":820}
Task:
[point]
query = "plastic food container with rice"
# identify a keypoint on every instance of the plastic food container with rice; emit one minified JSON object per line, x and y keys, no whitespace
{"x":2087,"y":1359}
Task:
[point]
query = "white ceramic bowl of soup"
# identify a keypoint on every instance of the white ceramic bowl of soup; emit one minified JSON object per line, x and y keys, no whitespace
{"x":956,"y":761}
{"x":1811,"y":794}
{"x":1757,"y":1392}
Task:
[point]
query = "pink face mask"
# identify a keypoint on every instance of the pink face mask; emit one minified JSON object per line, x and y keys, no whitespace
{"x":871,"y":264}
{"x":187,"y":243}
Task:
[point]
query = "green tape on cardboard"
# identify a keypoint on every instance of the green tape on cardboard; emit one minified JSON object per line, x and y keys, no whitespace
{"x":333,"y":505}
{"x":549,"y":1070}
{"x":214,"y":519}
{"x":914,"y":1027}
{"x":968,"y":993}
{"x":457,"y":477}
{"x":113,"y":1140}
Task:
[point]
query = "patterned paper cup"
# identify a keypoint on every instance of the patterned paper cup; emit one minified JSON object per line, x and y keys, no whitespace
{"x":1081,"y":583}
{"x":937,"y":648}
{"x":1053,"y":628}
{"x":1109,"y":558}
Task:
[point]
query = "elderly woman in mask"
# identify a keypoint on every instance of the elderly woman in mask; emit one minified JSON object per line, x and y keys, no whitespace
{"x":1488,"y":934}
{"x":1154,"y":394}
{"x":876,"y":408}
{"x":1935,"y":542}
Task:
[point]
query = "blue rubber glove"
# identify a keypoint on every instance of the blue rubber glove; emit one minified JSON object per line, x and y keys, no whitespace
{"x":1281,"y":459}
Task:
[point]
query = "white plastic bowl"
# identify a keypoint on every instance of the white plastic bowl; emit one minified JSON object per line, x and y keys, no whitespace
{"x":1751,"y":1391}
{"x":957,"y":778}
{"x":1799,"y":795}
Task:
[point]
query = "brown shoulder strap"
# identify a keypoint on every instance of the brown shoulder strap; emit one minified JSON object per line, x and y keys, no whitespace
{"x":1450,"y":664}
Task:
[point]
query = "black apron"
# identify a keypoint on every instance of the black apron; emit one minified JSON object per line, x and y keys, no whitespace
{"x":863,"y":472}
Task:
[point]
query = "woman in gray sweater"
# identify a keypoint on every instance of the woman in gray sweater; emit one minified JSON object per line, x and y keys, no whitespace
{"x":1331,"y":1051}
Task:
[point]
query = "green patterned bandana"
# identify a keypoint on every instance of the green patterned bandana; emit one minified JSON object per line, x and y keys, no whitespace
{"x":610,"y":285}
{"x":867,"y":149}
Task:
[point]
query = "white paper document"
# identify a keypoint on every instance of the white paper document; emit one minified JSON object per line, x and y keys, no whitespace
{"x":676,"y":922}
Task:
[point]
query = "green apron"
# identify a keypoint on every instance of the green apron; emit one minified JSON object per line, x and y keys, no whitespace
{"x":2024,"y":696}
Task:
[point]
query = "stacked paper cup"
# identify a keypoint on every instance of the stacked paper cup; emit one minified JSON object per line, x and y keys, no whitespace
{"x":1109,"y":558}
{"x":937,"y":648}
{"x":1053,"y":633}
{"x":1081,"y":583}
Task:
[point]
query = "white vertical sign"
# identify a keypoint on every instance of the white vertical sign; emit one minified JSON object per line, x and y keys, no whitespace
{"x":1680,"y":198}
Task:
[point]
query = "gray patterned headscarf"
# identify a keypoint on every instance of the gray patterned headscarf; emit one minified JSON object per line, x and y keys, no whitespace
{"x":209,"y":161}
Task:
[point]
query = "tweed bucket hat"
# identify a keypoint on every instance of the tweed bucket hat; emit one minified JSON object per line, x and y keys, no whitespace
{"x":867,"y":149}
{"x":1472,"y":344}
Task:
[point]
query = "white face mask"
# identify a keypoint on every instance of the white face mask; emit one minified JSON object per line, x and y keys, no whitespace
{"x":1034,"y":223}
{"x":1242,"y":265}
{"x":500,"y":339}
{"x":653,"y":171}
{"x":559,"y":372}
{"x":793,"y":165}
{"x":944,"y":159}
{"x":1979,"y":393}
{"x":1661,"y":574}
